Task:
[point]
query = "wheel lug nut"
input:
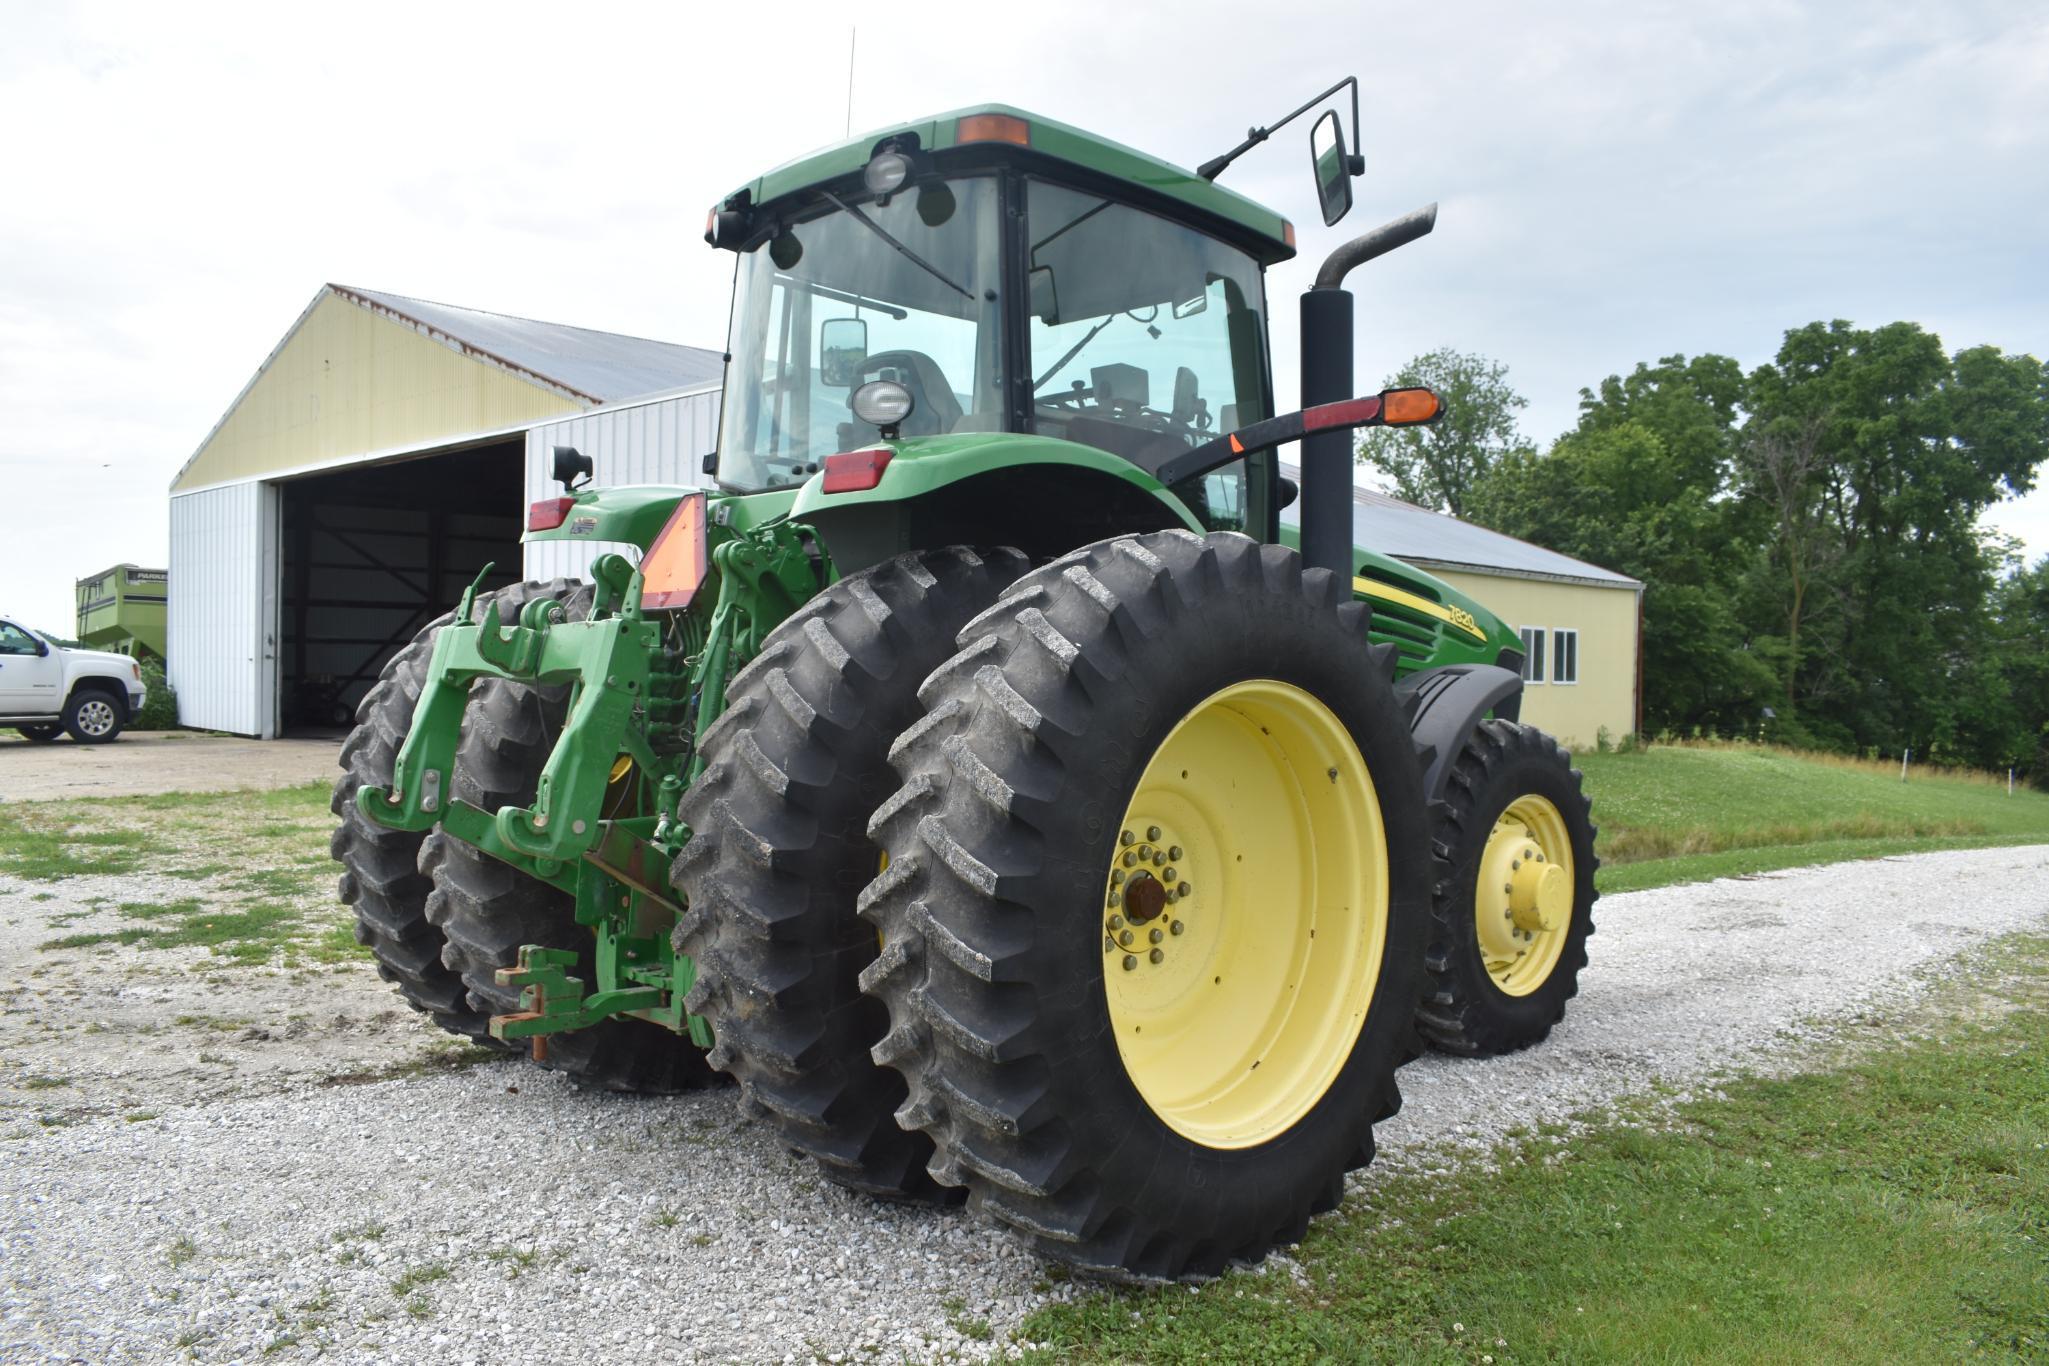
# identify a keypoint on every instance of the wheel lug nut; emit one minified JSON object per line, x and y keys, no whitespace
{"x":1125,"y":838}
{"x":1184,"y":889}
{"x":1109,"y":944}
{"x":1116,"y":922}
{"x":1129,"y":962}
{"x":1129,"y":858}
{"x":1116,"y":876}
{"x":1173,"y":897}
{"x":1167,"y":876}
{"x":1156,"y":936}
{"x":1124,"y":937}
{"x":1514,"y":864}
{"x":1114,"y":899}
{"x":1152,"y":832}
{"x":1174,"y":852}
{"x":1158,"y":955}
{"x":1144,"y":853}
{"x":1159,"y":857}
{"x":1176,"y":927}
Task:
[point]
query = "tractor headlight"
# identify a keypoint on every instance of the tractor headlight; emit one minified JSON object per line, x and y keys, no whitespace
{"x":886,"y":173}
{"x":883,"y":403}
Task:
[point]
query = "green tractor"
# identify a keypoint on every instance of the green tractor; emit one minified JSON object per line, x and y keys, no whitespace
{"x":980,"y":774}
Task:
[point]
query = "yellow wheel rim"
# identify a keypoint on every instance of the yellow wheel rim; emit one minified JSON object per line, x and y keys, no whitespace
{"x":1245,"y":915}
{"x":1522,"y":903}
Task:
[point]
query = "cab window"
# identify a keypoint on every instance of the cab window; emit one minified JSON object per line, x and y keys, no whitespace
{"x":15,"y":641}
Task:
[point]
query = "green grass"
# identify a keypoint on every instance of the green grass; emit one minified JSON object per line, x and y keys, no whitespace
{"x":1682,"y":814}
{"x":277,"y":905}
{"x":1894,"y":1209}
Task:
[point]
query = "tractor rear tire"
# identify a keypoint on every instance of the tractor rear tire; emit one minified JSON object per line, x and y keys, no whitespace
{"x":1502,"y":963}
{"x":486,"y":909}
{"x":1091,"y":1075}
{"x":780,"y":851}
{"x":381,"y":877}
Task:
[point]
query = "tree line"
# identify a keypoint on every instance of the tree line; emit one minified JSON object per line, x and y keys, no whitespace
{"x":1807,"y":532}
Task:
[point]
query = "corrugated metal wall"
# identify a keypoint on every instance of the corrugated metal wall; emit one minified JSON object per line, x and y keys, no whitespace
{"x":223,"y":586}
{"x":663,"y":442}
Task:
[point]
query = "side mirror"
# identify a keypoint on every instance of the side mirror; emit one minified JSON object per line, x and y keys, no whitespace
{"x":1332,"y":167}
{"x":842,"y":346}
{"x":1286,"y":491}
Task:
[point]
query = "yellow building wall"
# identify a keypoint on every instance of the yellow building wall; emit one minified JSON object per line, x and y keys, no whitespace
{"x":1605,"y":618}
{"x":349,"y":382}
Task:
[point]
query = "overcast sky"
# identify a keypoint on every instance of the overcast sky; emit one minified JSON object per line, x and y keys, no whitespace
{"x":1619,"y":181}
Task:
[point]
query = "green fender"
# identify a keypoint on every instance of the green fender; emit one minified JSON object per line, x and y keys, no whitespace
{"x":922,"y":465}
{"x":636,"y":513}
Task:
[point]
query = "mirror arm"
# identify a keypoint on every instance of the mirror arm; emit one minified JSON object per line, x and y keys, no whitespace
{"x":1355,"y":161}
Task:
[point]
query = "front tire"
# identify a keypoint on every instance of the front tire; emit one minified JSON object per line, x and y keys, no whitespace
{"x":1511,"y":915}
{"x":780,"y":850}
{"x":94,"y":717}
{"x":1082,"y":1033}
{"x":42,"y":735}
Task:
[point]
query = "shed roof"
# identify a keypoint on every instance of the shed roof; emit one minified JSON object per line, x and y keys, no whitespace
{"x":1437,"y":540}
{"x":601,"y":367}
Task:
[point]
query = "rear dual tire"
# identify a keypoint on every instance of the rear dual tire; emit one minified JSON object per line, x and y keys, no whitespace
{"x":1014,"y":1012}
{"x":779,"y":851}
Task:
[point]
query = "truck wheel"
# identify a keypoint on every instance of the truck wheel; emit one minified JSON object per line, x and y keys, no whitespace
{"x":1154,"y":912}
{"x":780,"y":851}
{"x":1516,"y":902}
{"x":42,"y":735}
{"x":380,"y":876}
{"x":488,"y":909}
{"x":94,"y":717}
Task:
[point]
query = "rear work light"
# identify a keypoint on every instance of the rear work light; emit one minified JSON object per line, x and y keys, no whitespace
{"x":674,"y":568}
{"x":548,"y":514}
{"x":854,"y":471}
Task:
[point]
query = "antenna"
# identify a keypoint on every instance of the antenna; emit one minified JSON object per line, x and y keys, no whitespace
{"x":852,"y":35}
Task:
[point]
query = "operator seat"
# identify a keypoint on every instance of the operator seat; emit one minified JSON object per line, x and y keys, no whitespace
{"x":937,"y":409}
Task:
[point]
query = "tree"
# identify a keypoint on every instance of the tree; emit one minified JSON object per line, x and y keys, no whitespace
{"x":1870,"y":455}
{"x":1437,"y":466}
{"x":1615,"y":494}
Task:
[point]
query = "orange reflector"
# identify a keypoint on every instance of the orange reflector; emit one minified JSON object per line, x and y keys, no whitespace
{"x":1288,"y":233}
{"x":674,"y":568}
{"x":1406,"y":407}
{"x":993,"y":128}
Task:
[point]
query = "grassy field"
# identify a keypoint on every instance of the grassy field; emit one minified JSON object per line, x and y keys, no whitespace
{"x":1685,"y":814}
{"x":1893,"y":1209}
{"x":254,"y":883}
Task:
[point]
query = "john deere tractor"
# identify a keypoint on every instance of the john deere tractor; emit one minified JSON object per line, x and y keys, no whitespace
{"x":986,"y":774}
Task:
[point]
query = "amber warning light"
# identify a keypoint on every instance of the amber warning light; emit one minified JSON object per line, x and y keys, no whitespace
{"x":674,"y":568}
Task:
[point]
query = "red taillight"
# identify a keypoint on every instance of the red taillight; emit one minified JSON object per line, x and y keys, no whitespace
{"x":548,"y":514}
{"x":855,"y":470}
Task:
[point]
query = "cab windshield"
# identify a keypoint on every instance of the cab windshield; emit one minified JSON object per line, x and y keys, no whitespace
{"x":902,"y":289}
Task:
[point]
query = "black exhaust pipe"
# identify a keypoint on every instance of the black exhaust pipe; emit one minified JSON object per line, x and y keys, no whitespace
{"x":1327,"y":377}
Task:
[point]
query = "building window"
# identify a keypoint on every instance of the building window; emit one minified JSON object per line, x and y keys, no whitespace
{"x":1565,"y":656}
{"x":1533,"y":654}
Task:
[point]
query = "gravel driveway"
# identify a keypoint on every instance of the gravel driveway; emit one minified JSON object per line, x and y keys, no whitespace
{"x":145,"y":762}
{"x":493,"y":1214}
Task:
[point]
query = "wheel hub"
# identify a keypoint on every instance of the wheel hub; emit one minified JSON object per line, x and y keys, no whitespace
{"x":1523,"y":895}
{"x":1244,"y":914}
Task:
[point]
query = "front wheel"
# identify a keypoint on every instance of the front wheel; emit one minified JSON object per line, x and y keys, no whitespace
{"x":42,"y":735}
{"x":93,"y":717}
{"x":1153,"y":916}
{"x":1516,"y":903}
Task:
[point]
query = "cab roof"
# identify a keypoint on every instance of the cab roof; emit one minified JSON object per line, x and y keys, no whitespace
{"x":1047,"y":138}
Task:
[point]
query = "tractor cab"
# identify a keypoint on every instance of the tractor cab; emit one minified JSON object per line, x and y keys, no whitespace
{"x":990,"y":275}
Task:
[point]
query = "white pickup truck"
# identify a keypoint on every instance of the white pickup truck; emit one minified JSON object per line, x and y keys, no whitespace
{"x":47,"y":689}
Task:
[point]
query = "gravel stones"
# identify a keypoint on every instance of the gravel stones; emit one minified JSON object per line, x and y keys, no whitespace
{"x":494,"y":1214}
